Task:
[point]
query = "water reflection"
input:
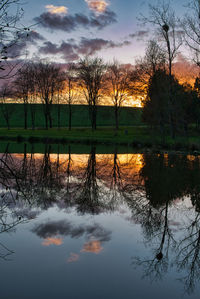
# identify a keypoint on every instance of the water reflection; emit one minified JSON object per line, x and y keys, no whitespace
{"x":160,"y":192}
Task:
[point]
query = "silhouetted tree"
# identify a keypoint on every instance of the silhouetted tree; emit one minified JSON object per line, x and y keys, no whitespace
{"x":6,"y":109}
{"x":154,"y":60}
{"x":118,"y":85}
{"x":11,"y":32}
{"x":156,"y":105}
{"x":190,"y":23}
{"x":48,"y":78}
{"x":163,"y":17}
{"x":23,"y":88}
{"x":90,"y":74}
{"x":71,"y":90}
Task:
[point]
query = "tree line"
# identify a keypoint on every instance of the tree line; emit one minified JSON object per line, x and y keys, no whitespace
{"x":90,"y":80}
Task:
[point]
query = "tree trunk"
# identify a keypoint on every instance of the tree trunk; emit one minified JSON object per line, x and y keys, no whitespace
{"x":94,"y":117}
{"x":70,"y":117}
{"x":33,"y":116}
{"x":25,"y":115}
{"x":50,"y":118}
{"x":116,"y":118}
{"x":58,"y":116}
{"x":46,"y":120}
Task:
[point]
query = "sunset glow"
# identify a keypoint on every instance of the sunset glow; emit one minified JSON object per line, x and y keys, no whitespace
{"x":98,"y":6}
{"x":61,"y":10}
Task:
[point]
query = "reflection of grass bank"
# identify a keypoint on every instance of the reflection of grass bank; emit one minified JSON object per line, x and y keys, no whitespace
{"x":137,"y":137}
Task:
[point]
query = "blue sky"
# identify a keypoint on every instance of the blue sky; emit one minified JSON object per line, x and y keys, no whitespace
{"x":69,"y":29}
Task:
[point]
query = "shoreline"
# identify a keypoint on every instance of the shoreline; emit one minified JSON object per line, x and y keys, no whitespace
{"x":133,"y":137}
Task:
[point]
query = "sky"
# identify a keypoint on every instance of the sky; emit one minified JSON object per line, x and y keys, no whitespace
{"x":66,"y":30}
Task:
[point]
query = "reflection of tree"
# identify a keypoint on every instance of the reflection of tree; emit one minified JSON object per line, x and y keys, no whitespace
{"x":68,"y":175}
{"x":188,"y":255}
{"x":116,"y":180}
{"x":167,"y":178}
{"x":157,"y":230}
{"x":9,"y":218}
{"x":101,"y":184}
{"x":48,"y":178}
{"x":88,"y":198}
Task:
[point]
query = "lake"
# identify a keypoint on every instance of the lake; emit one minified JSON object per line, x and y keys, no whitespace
{"x":92,"y":223}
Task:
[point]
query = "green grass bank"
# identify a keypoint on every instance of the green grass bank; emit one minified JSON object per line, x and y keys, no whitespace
{"x":135,"y":137}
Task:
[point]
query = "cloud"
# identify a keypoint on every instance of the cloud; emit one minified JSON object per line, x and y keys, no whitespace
{"x":66,"y":49}
{"x":60,"y":10}
{"x":17,"y":48}
{"x":97,"y":6}
{"x":69,"y":23}
{"x":71,"y":50}
{"x":91,"y":46}
{"x":139,"y":35}
{"x":105,"y":19}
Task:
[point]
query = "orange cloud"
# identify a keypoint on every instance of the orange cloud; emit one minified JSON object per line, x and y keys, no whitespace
{"x":73,"y":258}
{"x":98,"y":6}
{"x":59,"y":10}
{"x":93,"y":247}
{"x":52,"y":241}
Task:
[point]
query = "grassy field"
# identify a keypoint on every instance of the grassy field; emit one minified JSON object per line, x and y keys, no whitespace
{"x":80,"y":116}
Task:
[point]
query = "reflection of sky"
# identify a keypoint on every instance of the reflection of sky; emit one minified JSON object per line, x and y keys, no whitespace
{"x":127,"y":23}
{"x":72,"y":267}
{"x":66,"y":253}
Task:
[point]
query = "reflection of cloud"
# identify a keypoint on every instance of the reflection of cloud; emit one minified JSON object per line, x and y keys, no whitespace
{"x":52,"y":241}
{"x":73,"y":258}
{"x":51,"y":229}
{"x":98,"y":6}
{"x":61,"y":10}
{"x":93,"y":247}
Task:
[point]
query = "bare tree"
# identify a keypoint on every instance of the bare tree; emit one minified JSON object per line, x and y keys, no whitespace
{"x":90,"y":74}
{"x":145,"y":68}
{"x":71,"y":90}
{"x":6,"y":109}
{"x":154,"y":59}
{"x":48,"y":78}
{"x":11,"y":31}
{"x":118,"y":86}
{"x":22,"y":86}
{"x":191,"y":25}
{"x":59,"y":95}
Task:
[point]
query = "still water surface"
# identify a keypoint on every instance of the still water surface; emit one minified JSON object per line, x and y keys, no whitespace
{"x":99,"y":226}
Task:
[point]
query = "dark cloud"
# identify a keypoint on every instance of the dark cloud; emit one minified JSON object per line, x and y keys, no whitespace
{"x":71,"y":51}
{"x":67,"y":50}
{"x":34,"y":36}
{"x":139,"y":35}
{"x":69,"y":23}
{"x":17,"y":48}
{"x":91,"y":46}
{"x":65,"y":228}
